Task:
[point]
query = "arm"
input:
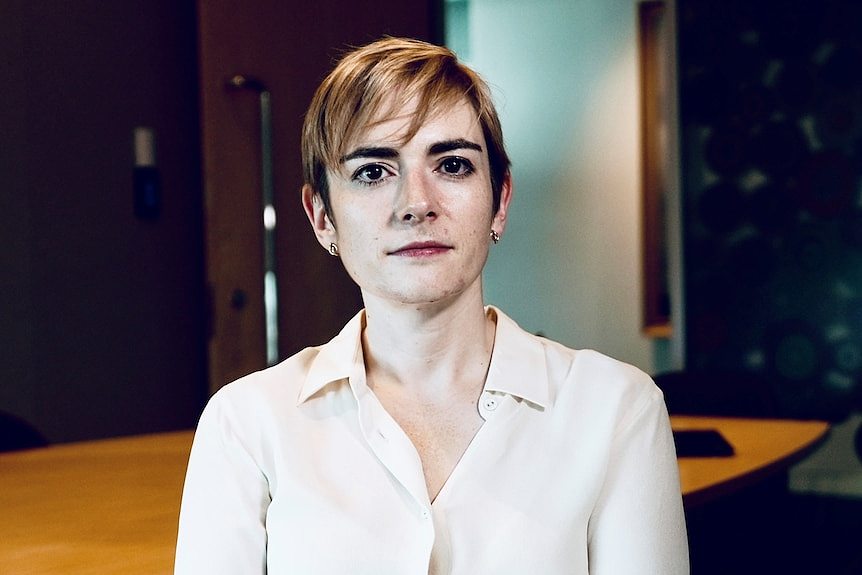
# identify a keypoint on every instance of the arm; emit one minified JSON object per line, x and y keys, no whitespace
{"x":225,"y":498}
{"x":638,"y":526}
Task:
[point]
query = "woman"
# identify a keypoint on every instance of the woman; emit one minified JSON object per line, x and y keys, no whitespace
{"x":432,"y":435}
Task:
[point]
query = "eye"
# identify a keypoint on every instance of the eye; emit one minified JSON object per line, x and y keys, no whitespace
{"x":371,"y":174}
{"x":456,"y":166}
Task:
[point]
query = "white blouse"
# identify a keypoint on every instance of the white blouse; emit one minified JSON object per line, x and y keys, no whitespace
{"x":298,"y":469}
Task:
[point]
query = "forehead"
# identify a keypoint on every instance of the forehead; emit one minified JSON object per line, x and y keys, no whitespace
{"x":398,"y":123}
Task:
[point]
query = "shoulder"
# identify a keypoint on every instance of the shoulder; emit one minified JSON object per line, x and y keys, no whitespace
{"x":283,"y":385}
{"x":579,"y":382}
{"x":606,"y":395}
{"x":586,"y":371}
{"x":255,"y":398}
{"x":275,"y":382}
{"x":619,"y":383}
{"x":591,"y":367}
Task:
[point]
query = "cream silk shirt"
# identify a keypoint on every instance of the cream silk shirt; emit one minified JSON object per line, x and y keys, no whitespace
{"x":299,"y":469}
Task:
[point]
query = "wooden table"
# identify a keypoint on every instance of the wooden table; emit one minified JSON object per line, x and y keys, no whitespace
{"x":111,"y":506}
{"x":762,"y":447}
{"x":97,"y":507}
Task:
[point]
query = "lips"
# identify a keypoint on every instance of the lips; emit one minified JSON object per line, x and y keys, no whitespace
{"x":421,"y":249}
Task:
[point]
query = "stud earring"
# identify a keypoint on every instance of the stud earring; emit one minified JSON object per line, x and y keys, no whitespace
{"x":495,"y":237}
{"x":333,"y":249}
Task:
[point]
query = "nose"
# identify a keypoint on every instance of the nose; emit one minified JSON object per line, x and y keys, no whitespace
{"x":416,"y":199}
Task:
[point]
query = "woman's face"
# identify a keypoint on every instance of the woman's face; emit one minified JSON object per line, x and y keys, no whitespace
{"x":412,"y":219}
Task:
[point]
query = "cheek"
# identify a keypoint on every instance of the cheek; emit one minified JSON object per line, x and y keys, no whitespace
{"x":357,"y":240}
{"x":361,"y":237}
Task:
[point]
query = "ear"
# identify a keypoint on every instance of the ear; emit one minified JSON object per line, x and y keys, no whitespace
{"x":320,"y":222}
{"x":499,"y":222}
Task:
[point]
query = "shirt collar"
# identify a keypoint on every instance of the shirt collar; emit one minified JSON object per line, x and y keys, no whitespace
{"x":517,"y":367}
{"x":336,"y":360}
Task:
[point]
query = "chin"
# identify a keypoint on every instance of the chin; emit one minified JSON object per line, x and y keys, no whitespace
{"x":422,"y":295}
{"x":421,"y":289}
{"x":431,"y":297}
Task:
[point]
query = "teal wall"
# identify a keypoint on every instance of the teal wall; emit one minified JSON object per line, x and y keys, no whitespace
{"x":565,"y":76}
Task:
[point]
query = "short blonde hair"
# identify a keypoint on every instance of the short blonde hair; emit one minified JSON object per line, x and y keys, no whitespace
{"x":353,"y":95}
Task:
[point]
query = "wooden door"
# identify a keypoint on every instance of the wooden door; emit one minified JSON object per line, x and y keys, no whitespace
{"x":288,"y":46}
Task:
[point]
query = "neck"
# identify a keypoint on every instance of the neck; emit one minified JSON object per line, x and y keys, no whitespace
{"x":430,"y":350}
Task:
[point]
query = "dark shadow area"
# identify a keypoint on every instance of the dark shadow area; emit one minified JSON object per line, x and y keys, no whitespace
{"x":733,"y":394}
{"x":766,"y":529}
{"x":16,"y":434}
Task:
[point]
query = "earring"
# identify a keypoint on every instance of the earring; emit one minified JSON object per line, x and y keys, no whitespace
{"x":495,"y":237}
{"x":333,"y":249}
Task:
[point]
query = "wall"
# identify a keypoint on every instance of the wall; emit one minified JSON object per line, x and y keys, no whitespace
{"x":101,"y":314}
{"x":565,"y":75}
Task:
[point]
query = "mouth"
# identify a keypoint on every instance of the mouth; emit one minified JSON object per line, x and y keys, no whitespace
{"x":421,"y":249}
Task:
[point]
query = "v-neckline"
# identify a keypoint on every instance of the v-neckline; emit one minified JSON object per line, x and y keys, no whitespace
{"x":465,"y":455}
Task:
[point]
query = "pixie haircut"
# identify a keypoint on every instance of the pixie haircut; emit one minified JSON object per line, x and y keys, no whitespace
{"x":373,"y":83}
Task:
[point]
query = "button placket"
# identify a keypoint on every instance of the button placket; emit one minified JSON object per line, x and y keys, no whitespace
{"x":392,"y":448}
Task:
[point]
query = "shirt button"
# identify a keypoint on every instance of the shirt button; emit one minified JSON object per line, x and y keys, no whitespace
{"x":490,"y":403}
{"x":425,"y":513}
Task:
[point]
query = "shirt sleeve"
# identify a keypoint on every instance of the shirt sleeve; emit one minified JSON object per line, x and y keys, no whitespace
{"x":638,"y":524}
{"x":222,"y":526}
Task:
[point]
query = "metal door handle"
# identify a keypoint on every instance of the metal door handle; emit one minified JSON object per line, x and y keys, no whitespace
{"x":270,"y":285}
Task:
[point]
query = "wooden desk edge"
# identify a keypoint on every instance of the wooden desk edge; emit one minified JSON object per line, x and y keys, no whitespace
{"x":709,"y":493}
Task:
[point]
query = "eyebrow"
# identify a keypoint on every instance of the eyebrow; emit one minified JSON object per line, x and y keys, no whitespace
{"x":370,"y":152}
{"x":451,"y":145}
{"x":388,"y":153}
